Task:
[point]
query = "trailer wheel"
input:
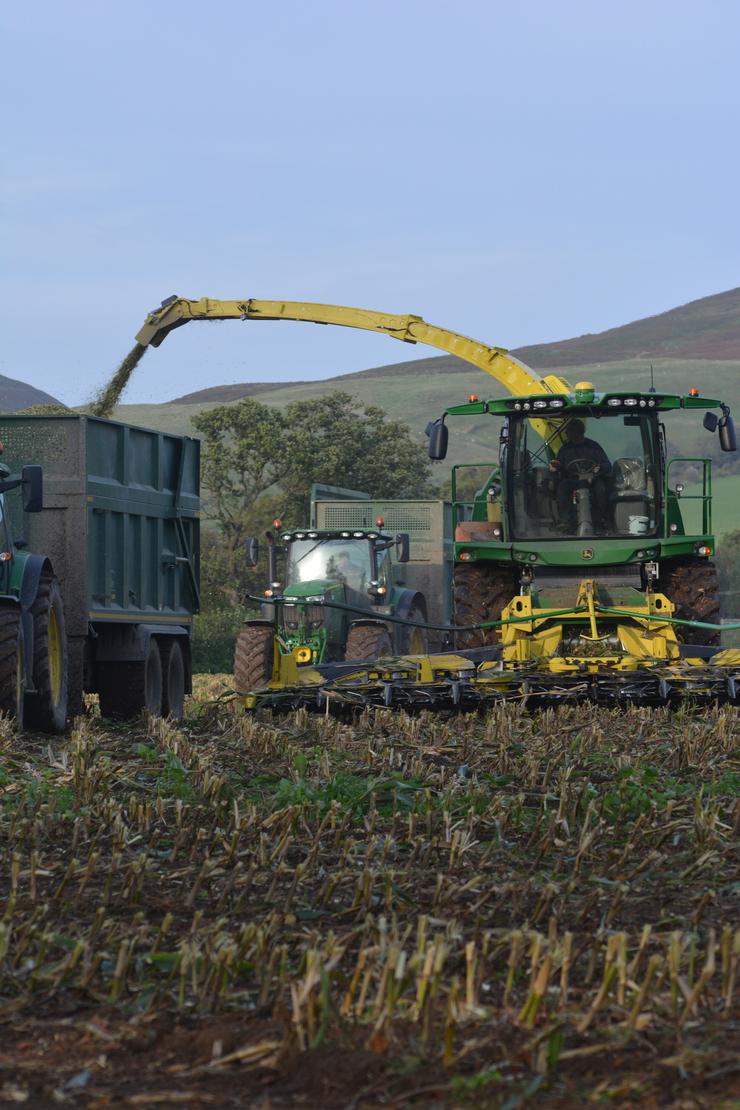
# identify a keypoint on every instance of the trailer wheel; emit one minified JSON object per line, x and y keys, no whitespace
{"x":482,"y":591}
{"x":46,"y":709}
{"x":11,"y":663}
{"x":693,"y":587}
{"x":253,"y":658}
{"x":368,"y":641}
{"x":127,"y":688}
{"x":173,"y":679}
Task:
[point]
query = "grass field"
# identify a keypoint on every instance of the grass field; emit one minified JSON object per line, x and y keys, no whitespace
{"x":495,"y":911}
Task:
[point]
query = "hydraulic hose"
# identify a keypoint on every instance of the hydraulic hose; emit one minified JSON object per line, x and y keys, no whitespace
{"x":385,"y":617}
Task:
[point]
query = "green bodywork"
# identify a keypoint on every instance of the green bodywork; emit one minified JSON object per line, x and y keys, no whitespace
{"x":668,"y":538}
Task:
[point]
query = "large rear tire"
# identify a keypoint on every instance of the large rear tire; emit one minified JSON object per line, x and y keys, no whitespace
{"x":253,"y":658}
{"x":481,"y":592}
{"x":368,"y":641}
{"x":173,"y":679}
{"x":46,"y":709}
{"x":126,"y":689}
{"x":11,"y":663}
{"x":693,"y":587}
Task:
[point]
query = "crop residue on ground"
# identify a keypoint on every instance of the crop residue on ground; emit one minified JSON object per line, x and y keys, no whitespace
{"x":393,"y":911}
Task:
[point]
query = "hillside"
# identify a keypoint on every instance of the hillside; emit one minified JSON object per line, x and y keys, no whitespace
{"x":15,"y":395}
{"x":708,"y":328}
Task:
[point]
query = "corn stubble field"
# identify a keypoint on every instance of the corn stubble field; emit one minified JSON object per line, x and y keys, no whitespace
{"x":504,"y":910}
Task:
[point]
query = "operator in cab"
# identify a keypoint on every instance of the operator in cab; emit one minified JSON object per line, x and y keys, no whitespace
{"x":581,"y":461}
{"x":349,"y":571}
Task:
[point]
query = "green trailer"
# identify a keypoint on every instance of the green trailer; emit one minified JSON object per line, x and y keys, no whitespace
{"x":119,"y":534}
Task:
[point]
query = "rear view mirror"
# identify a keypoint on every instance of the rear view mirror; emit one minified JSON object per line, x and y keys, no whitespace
{"x":727,"y":437}
{"x":438,"y":436}
{"x":402,"y":547}
{"x":711,"y":420}
{"x":251,"y":551}
{"x":32,"y":482}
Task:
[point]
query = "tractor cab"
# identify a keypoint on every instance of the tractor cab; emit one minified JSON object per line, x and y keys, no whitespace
{"x":323,"y":581}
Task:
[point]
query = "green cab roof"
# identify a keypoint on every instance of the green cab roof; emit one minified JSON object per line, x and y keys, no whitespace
{"x":584,"y":401}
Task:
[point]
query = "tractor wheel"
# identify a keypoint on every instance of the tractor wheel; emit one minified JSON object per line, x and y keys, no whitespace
{"x":127,"y":688}
{"x":481,"y":592}
{"x":253,"y":658}
{"x":173,"y":679}
{"x":413,"y":641}
{"x":368,"y":641}
{"x":693,"y":587}
{"x":46,"y":710}
{"x":11,"y":663}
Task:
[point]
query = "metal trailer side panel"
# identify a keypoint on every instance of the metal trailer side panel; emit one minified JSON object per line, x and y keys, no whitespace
{"x":143,"y":501}
{"x":120,"y":522}
{"x":429,"y":526}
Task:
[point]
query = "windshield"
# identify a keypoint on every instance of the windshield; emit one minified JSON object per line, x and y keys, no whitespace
{"x":588,"y":477}
{"x":346,"y":561}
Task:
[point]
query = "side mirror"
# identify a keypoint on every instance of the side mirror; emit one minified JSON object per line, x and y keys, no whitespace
{"x":251,"y":551}
{"x":32,"y":482}
{"x":402,"y":547}
{"x":438,"y":437}
{"x":711,"y":420}
{"x":727,"y":437}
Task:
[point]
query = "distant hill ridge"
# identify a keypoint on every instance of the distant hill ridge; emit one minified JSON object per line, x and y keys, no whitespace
{"x":705,"y":329}
{"x":15,"y":395}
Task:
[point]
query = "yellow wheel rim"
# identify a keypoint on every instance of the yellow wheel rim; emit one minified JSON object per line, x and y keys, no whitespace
{"x":55,"y":657}
{"x":416,"y":642}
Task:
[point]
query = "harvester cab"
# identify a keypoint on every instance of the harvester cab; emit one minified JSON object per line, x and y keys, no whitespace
{"x":326,"y":598}
{"x":584,"y":491}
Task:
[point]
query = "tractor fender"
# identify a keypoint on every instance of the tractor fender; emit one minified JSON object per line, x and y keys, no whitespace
{"x":407,"y":600}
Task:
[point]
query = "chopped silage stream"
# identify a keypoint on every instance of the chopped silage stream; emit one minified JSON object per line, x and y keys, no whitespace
{"x":482,"y":909}
{"x":109,"y":396}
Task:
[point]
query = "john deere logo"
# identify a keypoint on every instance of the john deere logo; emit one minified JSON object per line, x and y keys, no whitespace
{"x":587,"y":553}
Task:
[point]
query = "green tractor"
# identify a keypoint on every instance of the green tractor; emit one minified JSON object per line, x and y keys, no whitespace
{"x":584,"y":489}
{"x":336,"y":588}
{"x":33,"y":642}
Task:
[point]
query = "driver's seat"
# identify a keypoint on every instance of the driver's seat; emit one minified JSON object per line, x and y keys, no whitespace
{"x":629,"y":492}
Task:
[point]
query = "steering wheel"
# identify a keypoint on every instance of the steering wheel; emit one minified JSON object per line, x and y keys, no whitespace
{"x":582,"y":470}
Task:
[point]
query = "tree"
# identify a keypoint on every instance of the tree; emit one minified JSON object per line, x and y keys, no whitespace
{"x":259,"y":463}
{"x":242,"y":457}
{"x":338,"y":441}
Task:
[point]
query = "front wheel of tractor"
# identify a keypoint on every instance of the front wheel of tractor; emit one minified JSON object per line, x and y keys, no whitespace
{"x":368,"y":641}
{"x":46,"y":709}
{"x":253,"y":657}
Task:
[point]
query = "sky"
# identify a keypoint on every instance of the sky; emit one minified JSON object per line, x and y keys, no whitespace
{"x":519,"y":173}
